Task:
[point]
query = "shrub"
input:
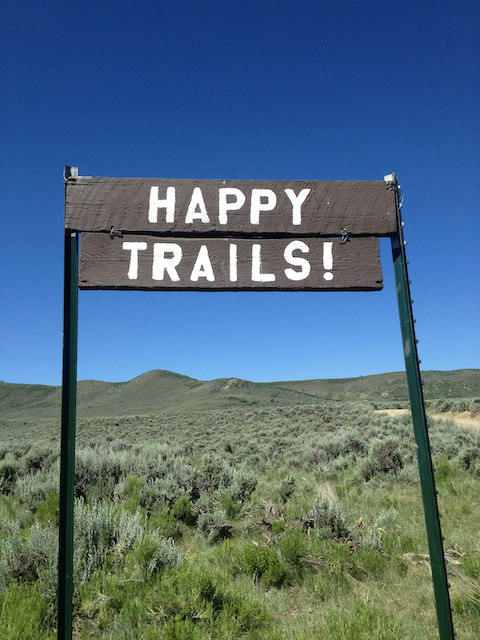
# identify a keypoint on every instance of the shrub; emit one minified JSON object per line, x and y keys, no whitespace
{"x":40,"y":457}
{"x":263,"y":563}
{"x":372,"y":538}
{"x":444,"y":469}
{"x":277,"y":527}
{"x":356,"y":444}
{"x":182,"y":510}
{"x":475,"y":407}
{"x":100,"y":529}
{"x":215,"y":526}
{"x":230,"y":506}
{"x":30,"y":557}
{"x":133,"y":485}
{"x":33,"y":488}
{"x":162,"y":520}
{"x":326,"y":519}
{"x":244,"y":483}
{"x":286,"y":488}
{"x":99,"y":469}
{"x":153,"y":553}
{"x":160,"y":491}
{"x":49,"y":509}
{"x":207,"y":594}
{"x":293,"y":549}
{"x":216,"y":472}
{"x":384,"y":457}
{"x":9,"y":470}
{"x":468,"y":459}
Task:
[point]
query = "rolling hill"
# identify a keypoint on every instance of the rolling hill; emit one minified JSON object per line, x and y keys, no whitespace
{"x":160,"y":391}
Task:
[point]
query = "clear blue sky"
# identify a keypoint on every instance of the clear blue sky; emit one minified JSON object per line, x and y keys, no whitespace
{"x":242,"y":90}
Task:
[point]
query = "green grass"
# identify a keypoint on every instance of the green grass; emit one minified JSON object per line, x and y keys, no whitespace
{"x":24,"y":614}
{"x":278,"y":523}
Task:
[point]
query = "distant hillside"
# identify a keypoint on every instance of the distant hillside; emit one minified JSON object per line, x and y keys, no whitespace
{"x":165,"y":392}
{"x":461,"y":383}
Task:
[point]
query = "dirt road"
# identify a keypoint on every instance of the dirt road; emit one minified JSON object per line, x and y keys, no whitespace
{"x":463,"y":419}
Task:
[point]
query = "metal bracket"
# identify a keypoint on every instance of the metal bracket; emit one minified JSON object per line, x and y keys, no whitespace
{"x":345,"y":237}
{"x":114,"y":232}
{"x":70,"y":173}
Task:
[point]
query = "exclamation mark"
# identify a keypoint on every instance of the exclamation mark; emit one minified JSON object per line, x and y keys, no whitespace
{"x":233,"y":263}
{"x":328,"y":260}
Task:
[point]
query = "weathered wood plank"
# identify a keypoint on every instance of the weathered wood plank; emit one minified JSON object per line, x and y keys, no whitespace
{"x":229,"y":264}
{"x":243,"y":207}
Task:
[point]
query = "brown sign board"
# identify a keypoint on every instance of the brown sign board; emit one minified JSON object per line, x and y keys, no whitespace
{"x":226,"y":207}
{"x":229,"y":264}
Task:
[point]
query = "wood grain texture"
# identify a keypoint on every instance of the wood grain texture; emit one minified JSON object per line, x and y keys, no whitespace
{"x":228,"y":264}
{"x":362,"y":207}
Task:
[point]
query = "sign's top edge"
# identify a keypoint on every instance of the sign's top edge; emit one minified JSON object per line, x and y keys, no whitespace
{"x":73,"y":180}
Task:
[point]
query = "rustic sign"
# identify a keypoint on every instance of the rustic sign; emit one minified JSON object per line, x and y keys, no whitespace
{"x":240,"y":236}
{"x":307,"y":264}
{"x":225,"y":207}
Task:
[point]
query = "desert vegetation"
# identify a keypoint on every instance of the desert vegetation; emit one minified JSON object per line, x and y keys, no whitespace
{"x":285,"y":522}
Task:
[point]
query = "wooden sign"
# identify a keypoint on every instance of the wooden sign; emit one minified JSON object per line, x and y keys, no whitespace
{"x":223,"y":207}
{"x":229,"y":264}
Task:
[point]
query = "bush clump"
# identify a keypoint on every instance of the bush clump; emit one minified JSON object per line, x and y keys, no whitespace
{"x":385,"y":457}
{"x":9,"y":470}
{"x":263,"y":564}
{"x":215,"y":525}
{"x":325,"y":519}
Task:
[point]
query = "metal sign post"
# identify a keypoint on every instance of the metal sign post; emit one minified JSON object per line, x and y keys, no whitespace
{"x":425,"y":467}
{"x":67,"y":451}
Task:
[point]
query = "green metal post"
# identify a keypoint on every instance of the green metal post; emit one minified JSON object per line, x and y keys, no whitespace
{"x":427,"y":481}
{"x":67,"y":452}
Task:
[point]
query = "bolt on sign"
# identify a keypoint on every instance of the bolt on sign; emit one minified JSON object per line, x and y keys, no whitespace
{"x":232,"y":235}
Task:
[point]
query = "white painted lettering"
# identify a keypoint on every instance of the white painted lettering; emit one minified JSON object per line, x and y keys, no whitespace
{"x":197,"y":201}
{"x":203,"y":266}
{"x":161,"y":263}
{"x":257,"y":275}
{"x":168,"y":204}
{"x":134,"y":247}
{"x":256,"y":205}
{"x":297,"y":202}
{"x":224,"y":206}
{"x":233,"y":263}
{"x":328,"y":260}
{"x":297,"y":245}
